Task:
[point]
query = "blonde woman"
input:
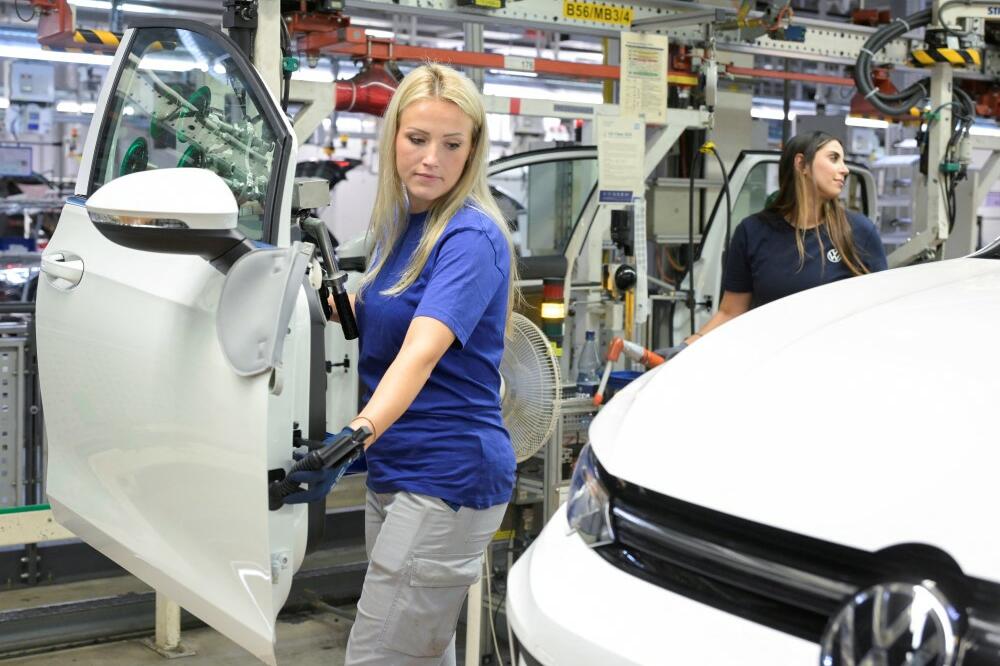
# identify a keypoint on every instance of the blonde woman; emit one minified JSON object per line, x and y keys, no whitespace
{"x":432,"y":312}
{"x":803,"y":239}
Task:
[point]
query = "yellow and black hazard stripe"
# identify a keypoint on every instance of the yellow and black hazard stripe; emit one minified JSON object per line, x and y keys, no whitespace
{"x":104,"y":38}
{"x":98,"y":41}
{"x":954,"y":57}
{"x":86,"y":41}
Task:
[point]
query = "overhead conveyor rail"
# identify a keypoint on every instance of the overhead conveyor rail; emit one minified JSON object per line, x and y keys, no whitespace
{"x":824,"y":41}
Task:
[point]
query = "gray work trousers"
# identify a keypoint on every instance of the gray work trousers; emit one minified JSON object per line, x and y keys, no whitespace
{"x":422,"y":558}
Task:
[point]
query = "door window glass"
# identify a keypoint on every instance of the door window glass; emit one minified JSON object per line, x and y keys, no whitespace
{"x":541,"y":202}
{"x":855,"y":193}
{"x":182,"y":101}
{"x":760,"y":183}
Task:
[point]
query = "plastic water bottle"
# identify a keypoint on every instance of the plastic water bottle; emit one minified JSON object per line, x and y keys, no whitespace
{"x":588,"y":366}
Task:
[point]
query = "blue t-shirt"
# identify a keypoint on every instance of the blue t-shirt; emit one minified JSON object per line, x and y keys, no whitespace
{"x":451,"y":443}
{"x":764,"y":260}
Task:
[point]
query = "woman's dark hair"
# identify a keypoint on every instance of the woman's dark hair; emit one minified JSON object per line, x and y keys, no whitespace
{"x":798,"y":202}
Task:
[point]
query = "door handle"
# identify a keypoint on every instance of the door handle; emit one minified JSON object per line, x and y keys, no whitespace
{"x":63,"y":266}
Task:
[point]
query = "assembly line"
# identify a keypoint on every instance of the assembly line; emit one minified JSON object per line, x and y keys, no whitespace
{"x":529,"y":332}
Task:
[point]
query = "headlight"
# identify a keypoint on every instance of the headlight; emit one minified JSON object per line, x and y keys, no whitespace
{"x":588,"y":509}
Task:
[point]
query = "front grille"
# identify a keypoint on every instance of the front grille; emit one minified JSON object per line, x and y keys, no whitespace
{"x":781,"y":579}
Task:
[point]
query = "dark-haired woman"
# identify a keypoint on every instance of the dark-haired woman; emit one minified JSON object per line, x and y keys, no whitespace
{"x":803,"y":239}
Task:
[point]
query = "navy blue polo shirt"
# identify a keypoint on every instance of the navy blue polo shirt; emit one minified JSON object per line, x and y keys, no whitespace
{"x":451,"y":443}
{"x":764,"y":260}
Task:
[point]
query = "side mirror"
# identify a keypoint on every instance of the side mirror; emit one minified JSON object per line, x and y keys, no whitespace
{"x":180,"y":211}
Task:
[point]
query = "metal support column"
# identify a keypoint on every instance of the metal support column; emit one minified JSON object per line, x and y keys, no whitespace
{"x":552,"y":471}
{"x":474,"y":621}
{"x":167,"y":642}
{"x":474,"y":43}
{"x":939,"y":133}
{"x":115,"y":24}
{"x":931,"y":221}
{"x":316,"y":101}
{"x":786,"y":105}
{"x":267,"y":45}
{"x":971,"y":193}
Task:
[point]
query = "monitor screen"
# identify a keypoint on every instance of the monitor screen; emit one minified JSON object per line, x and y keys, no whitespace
{"x":15,"y":161}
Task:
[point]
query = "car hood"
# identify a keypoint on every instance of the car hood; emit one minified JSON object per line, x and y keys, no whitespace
{"x":855,"y":413}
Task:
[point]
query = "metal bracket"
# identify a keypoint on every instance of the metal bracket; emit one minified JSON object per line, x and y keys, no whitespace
{"x":345,"y":364}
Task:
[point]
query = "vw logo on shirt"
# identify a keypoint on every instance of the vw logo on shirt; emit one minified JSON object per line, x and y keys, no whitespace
{"x":833,"y":256}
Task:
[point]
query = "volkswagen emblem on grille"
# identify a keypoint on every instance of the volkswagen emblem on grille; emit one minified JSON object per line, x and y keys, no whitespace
{"x":893,"y":624}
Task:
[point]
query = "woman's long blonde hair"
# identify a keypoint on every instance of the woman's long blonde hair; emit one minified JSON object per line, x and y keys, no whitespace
{"x":799,"y":202}
{"x":390,"y":214}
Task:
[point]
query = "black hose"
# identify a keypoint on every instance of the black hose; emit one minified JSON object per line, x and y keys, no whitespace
{"x":286,"y":91}
{"x":671,"y":307}
{"x":286,"y":75}
{"x":729,"y":213}
{"x":334,"y":278}
{"x":967,"y":104}
{"x":905,"y":99}
{"x":690,"y":267}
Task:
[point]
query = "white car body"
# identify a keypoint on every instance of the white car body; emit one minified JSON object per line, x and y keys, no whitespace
{"x":857,"y":414}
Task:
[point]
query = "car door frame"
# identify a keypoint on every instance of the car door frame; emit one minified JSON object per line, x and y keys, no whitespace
{"x":544,"y":156}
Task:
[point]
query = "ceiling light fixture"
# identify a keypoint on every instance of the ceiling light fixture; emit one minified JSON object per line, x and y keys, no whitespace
{"x":317,"y":75}
{"x":873,"y":123}
{"x":128,"y":7}
{"x":508,"y":72}
{"x":769,"y":113}
{"x":984,"y":130}
{"x":37,"y":53}
{"x":562,"y":94}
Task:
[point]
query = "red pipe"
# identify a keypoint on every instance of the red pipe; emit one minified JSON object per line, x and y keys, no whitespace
{"x":368,"y":92}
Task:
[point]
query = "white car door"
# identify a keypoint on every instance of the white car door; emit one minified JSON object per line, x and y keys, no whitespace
{"x":159,"y":452}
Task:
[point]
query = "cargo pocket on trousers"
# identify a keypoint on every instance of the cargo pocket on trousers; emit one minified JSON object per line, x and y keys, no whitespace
{"x":423,"y":616}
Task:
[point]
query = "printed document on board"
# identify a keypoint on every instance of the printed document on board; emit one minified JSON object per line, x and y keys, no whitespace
{"x":643,"y":83}
{"x":621,"y":155}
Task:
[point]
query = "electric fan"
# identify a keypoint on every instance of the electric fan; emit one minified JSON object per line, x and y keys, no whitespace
{"x":529,"y":388}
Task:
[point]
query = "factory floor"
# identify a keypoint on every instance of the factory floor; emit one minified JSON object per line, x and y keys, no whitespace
{"x":317,"y":638}
{"x":317,"y":635}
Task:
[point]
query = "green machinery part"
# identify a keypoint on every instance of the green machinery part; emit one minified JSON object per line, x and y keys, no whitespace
{"x":200,"y":99}
{"x":156,"y":128}
{"x":192,"y":157}
{"x":136,"y":157}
